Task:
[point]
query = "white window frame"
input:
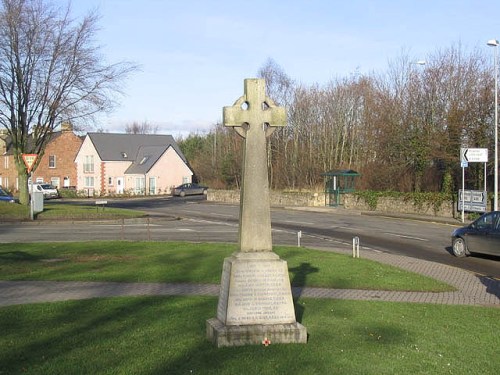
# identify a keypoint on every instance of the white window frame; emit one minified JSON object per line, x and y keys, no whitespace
{"x":152,"y":186}
{"x":140,"y":186}
{"x":55,"y":181}
{"x":88,"y":164}
{"x":52,"y":161}
{"x":88,"y":181}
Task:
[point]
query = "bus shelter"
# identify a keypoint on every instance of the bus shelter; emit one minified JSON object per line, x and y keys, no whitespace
{"x":339,"y":182}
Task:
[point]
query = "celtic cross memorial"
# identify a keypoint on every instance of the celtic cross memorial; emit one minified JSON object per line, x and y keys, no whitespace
{"x":255,"y":299}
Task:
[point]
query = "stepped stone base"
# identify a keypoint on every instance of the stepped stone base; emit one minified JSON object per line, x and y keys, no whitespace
{"x":222,"y":335}
{"x":255,"y":303}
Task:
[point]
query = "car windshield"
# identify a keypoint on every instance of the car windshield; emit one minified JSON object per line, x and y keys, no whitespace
{"x":47,"y":186}
{"x":3,"y":192}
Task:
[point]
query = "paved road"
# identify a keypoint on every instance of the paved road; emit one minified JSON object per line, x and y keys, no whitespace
{"x":195,"y":220}
{"x":426,"y":238}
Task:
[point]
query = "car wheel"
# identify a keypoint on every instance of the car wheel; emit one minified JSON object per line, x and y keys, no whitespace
{"x":459,"y":247}
{"x":205,"y":192}
{"x":182,"y":194}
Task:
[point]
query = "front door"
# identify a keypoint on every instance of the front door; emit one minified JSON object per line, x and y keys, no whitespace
{"x":119,"y":185}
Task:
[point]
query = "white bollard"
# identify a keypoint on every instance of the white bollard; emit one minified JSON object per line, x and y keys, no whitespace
{"x":299,"y":236}
{"x":355,"y":247}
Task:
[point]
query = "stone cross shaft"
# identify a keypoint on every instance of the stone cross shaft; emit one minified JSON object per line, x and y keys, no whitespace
{"x":254,"y":116}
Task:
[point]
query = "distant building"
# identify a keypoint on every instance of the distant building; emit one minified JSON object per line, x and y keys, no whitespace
{"x":57,"y":165}
{"x":137,"y":164}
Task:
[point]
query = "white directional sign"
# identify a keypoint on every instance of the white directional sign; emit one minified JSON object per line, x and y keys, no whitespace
{"x":474,"y":155}
{"x":472,"y":200}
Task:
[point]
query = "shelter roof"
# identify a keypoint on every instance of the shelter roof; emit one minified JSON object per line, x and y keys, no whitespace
{"x":341,"y":172}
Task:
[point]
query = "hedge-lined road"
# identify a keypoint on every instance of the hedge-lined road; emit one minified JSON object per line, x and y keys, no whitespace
{"x":195,"y":219}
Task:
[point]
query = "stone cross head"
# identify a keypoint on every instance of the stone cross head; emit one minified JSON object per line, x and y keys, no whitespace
{"x":254,"y":111}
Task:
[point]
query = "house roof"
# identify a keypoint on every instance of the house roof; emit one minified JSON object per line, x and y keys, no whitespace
{"x":9,"y":145}
{"x":147,"y":156}
{"x":143,"y":150}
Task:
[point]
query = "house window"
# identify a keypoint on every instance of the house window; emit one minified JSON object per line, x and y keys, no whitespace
{"x":88,"y":164}
{"x":6,"y":162}
{"x":139,"y":185}
{"x":152,"y":185}
{"x":89,"y":182}
{"x":52,"y":161}
{"x":110,"y":181}
{"x":56,"y":182}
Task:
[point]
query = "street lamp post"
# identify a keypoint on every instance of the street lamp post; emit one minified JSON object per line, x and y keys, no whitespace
{"x":494,"y":43}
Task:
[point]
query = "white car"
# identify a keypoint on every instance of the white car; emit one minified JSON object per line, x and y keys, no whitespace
{"x":47,"y":190}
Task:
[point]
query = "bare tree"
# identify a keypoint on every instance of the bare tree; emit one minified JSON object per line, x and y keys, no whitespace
{"x":50,"y":71}
{"x":141,"y":128}
{"x":402,"y":129}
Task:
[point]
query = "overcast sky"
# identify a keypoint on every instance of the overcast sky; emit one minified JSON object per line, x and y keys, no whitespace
{"x":195,"y":54}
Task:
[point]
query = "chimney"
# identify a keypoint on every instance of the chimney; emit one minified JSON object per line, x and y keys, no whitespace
{"x":3,"y":143}
{"x":66,"y":127}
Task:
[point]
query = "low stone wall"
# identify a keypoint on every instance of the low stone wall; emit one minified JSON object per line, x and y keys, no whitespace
{"x":393,"y":205}
{"x":277,"y":198}
{"x":348,"y":201}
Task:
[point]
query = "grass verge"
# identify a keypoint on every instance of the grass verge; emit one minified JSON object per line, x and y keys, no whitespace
{"x":123,"y":261}
{"x":58,"y":211}
{"x":166,"y":335}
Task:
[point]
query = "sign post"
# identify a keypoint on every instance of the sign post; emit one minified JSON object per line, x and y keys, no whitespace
{"x":471,"y":155}
{"x":29,"y":162}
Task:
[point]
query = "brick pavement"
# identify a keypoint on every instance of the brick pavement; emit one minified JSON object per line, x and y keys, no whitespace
{"x":471,"y":289}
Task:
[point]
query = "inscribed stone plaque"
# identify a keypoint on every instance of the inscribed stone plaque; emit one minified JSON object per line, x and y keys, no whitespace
{"x":259,"y":293}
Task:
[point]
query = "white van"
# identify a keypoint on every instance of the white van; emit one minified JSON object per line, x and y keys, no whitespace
{"x":47,"y":190}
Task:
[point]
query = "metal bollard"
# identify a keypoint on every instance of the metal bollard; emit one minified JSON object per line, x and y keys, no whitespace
{"x":355,"y":247}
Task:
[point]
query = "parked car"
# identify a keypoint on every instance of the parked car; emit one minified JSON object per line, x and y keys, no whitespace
{"x":482,"y":236}
{"x":190,"y":189}
{"x":48,"y":190}
{"x":6,"y":197}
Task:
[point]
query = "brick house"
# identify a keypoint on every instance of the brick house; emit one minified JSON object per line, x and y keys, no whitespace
{"x":57,"y":165}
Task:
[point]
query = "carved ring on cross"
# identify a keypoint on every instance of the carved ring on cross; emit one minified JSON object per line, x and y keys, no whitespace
{"x":242,"y":104}
{"x":254,"y":109}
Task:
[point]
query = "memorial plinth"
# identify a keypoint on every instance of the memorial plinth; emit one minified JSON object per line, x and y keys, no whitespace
{"x":255,"y":300}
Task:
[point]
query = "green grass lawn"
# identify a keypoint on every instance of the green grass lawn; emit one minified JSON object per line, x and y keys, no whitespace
{"x":193,"y":262}
{"x":57,"y":211}
{"x":166,"y":335}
